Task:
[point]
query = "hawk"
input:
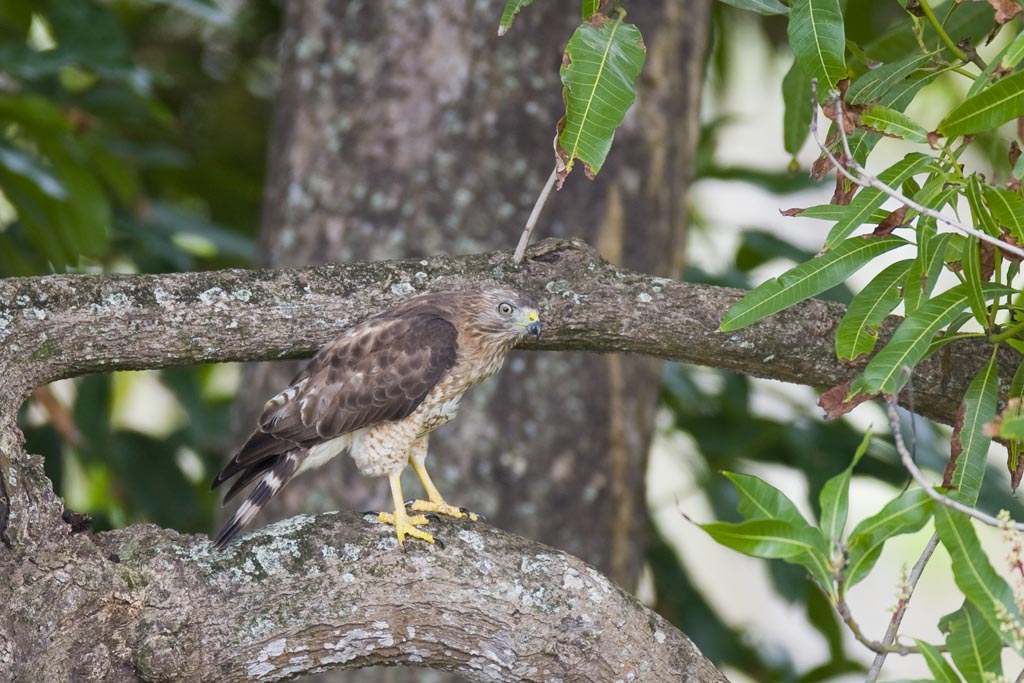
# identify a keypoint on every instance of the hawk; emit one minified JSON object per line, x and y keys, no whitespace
{"x":378,"y":390}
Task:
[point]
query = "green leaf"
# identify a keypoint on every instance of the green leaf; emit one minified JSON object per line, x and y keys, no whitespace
{"x":973,"y":572}
{"x":979,"y":212}
{"x":973,"y":644}
{"x":937,"y":664}
{"x":885,"y":373}
{"x":508,"y":15}
{"x":870,"y":199}
{"x":807,"y":279}
{"x":971,"y":264}
{"x":818,"y":39}
{"x":767,"y":538}
{"x":797,"y":543}
{"x":588,"y":8}
{"x":835,"y":496}
{"x":836,"y":212}
{"x":904,"y":515}
{"x":931,"y":254}
{"x":765,"y":7}
{"x":796,"y":96}
{"x":1003,"y":101}
{"x":602,"y":62}
{"x":880,"y":82}
{"x":980,"y":401}
{"x":760,"y":500}
{"x":894,"y":123}
{"x":857,"y":333}
{"x":1007,"y":208}
{"x":1014,"y":52}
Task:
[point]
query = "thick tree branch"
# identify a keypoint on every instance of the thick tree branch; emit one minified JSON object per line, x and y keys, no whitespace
{"x":66,"y":325}
{"x":488,"y":605}
{"x":176,"y":611}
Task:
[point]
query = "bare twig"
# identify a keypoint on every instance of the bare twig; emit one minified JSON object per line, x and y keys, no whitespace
{"x":901,"y":608}
{"x":919,"y":478}
{"x":861,"y":177}
{"x":531,"y":222}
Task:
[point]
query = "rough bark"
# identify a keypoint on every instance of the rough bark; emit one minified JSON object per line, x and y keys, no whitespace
{"x":309,"y":595}
{"x":148,"y":604}
{"x":407,"y":129}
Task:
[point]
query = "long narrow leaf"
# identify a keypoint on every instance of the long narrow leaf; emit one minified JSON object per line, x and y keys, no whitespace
{"x":923,"y":275}
{"x":508,"y":15}
{"x":937,"y":664}
{"x":1007,"y":208}
{"x":1001,"y":102}
{"x":834,"y":212}
{"x":857,"y":333}
{"x":818,"y":39}
{"x":904,"y":515}
{"x":760,"y":500}
{"x":835,"y":497}
{"x":974,"y":574}
{"x":971,"y":265}
{"x":807,"y":279}
{"x":796,"y":90}
{"x":870,"y":199}
{"x":765,"y":7}
{"x":980,"y":401}
{"x":894,"y":123}
{"x":973,"y":644}
{"x":602,"y":62}
{"x":877,"y":83}
{"x":885,"y":373}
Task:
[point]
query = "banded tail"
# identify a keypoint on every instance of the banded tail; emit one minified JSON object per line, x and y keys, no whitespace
{"x":276,"y":471}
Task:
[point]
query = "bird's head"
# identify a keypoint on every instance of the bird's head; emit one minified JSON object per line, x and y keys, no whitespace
{"x":508,"y":313}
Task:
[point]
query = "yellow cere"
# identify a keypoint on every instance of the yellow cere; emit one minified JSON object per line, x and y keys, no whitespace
{"x":532,"y":317}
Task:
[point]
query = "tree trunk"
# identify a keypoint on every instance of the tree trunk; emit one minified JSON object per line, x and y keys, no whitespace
{"x":409,"y":129}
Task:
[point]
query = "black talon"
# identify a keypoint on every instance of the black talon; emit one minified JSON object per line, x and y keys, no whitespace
{"x":439,"y":542}
{"x":409,"y":502}
{"x":367,"y":513}
{"x":432,"y":516}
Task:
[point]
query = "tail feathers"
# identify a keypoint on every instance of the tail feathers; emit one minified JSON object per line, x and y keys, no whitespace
{"x":273,"y":480}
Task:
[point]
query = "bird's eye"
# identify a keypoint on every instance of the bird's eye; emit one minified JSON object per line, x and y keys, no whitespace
{"x":505,"y":309}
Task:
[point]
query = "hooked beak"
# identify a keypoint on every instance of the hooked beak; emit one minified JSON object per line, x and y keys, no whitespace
{"x":533,"y":324}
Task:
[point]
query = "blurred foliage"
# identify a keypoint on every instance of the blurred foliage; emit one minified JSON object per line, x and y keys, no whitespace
{"x":133,"y":138}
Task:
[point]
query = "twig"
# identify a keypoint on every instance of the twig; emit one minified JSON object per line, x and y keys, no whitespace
{"x":879,"y":648}
{"x":943,"y":36}
{"x":918,"y":476}
{"x":862,"y":178}
{"x":901,"y":608}
{"x":531,"y":222}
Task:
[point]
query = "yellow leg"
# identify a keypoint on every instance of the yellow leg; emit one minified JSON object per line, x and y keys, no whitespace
{"x":436,"y":503}
{"x":400,"y":519}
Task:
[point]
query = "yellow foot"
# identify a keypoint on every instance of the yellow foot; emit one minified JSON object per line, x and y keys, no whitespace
{"x":443,"y":509}
{"x":406,"y":525}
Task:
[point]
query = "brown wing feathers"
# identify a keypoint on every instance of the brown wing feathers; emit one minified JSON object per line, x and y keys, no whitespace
{"x":380,"y":370}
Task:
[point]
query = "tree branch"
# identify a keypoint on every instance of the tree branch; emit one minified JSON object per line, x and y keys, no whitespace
{"x":170,"y":609}
{"x":309,"y":594}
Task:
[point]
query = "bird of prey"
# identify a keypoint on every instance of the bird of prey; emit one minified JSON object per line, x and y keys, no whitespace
{"x":378,"y":390}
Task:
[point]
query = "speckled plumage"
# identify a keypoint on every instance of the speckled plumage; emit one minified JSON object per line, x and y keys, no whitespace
{"x":378,"y":390}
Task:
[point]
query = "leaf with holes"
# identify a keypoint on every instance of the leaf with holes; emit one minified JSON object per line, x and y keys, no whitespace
{"x":894,"y":124}
{"x":601,"y":64}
